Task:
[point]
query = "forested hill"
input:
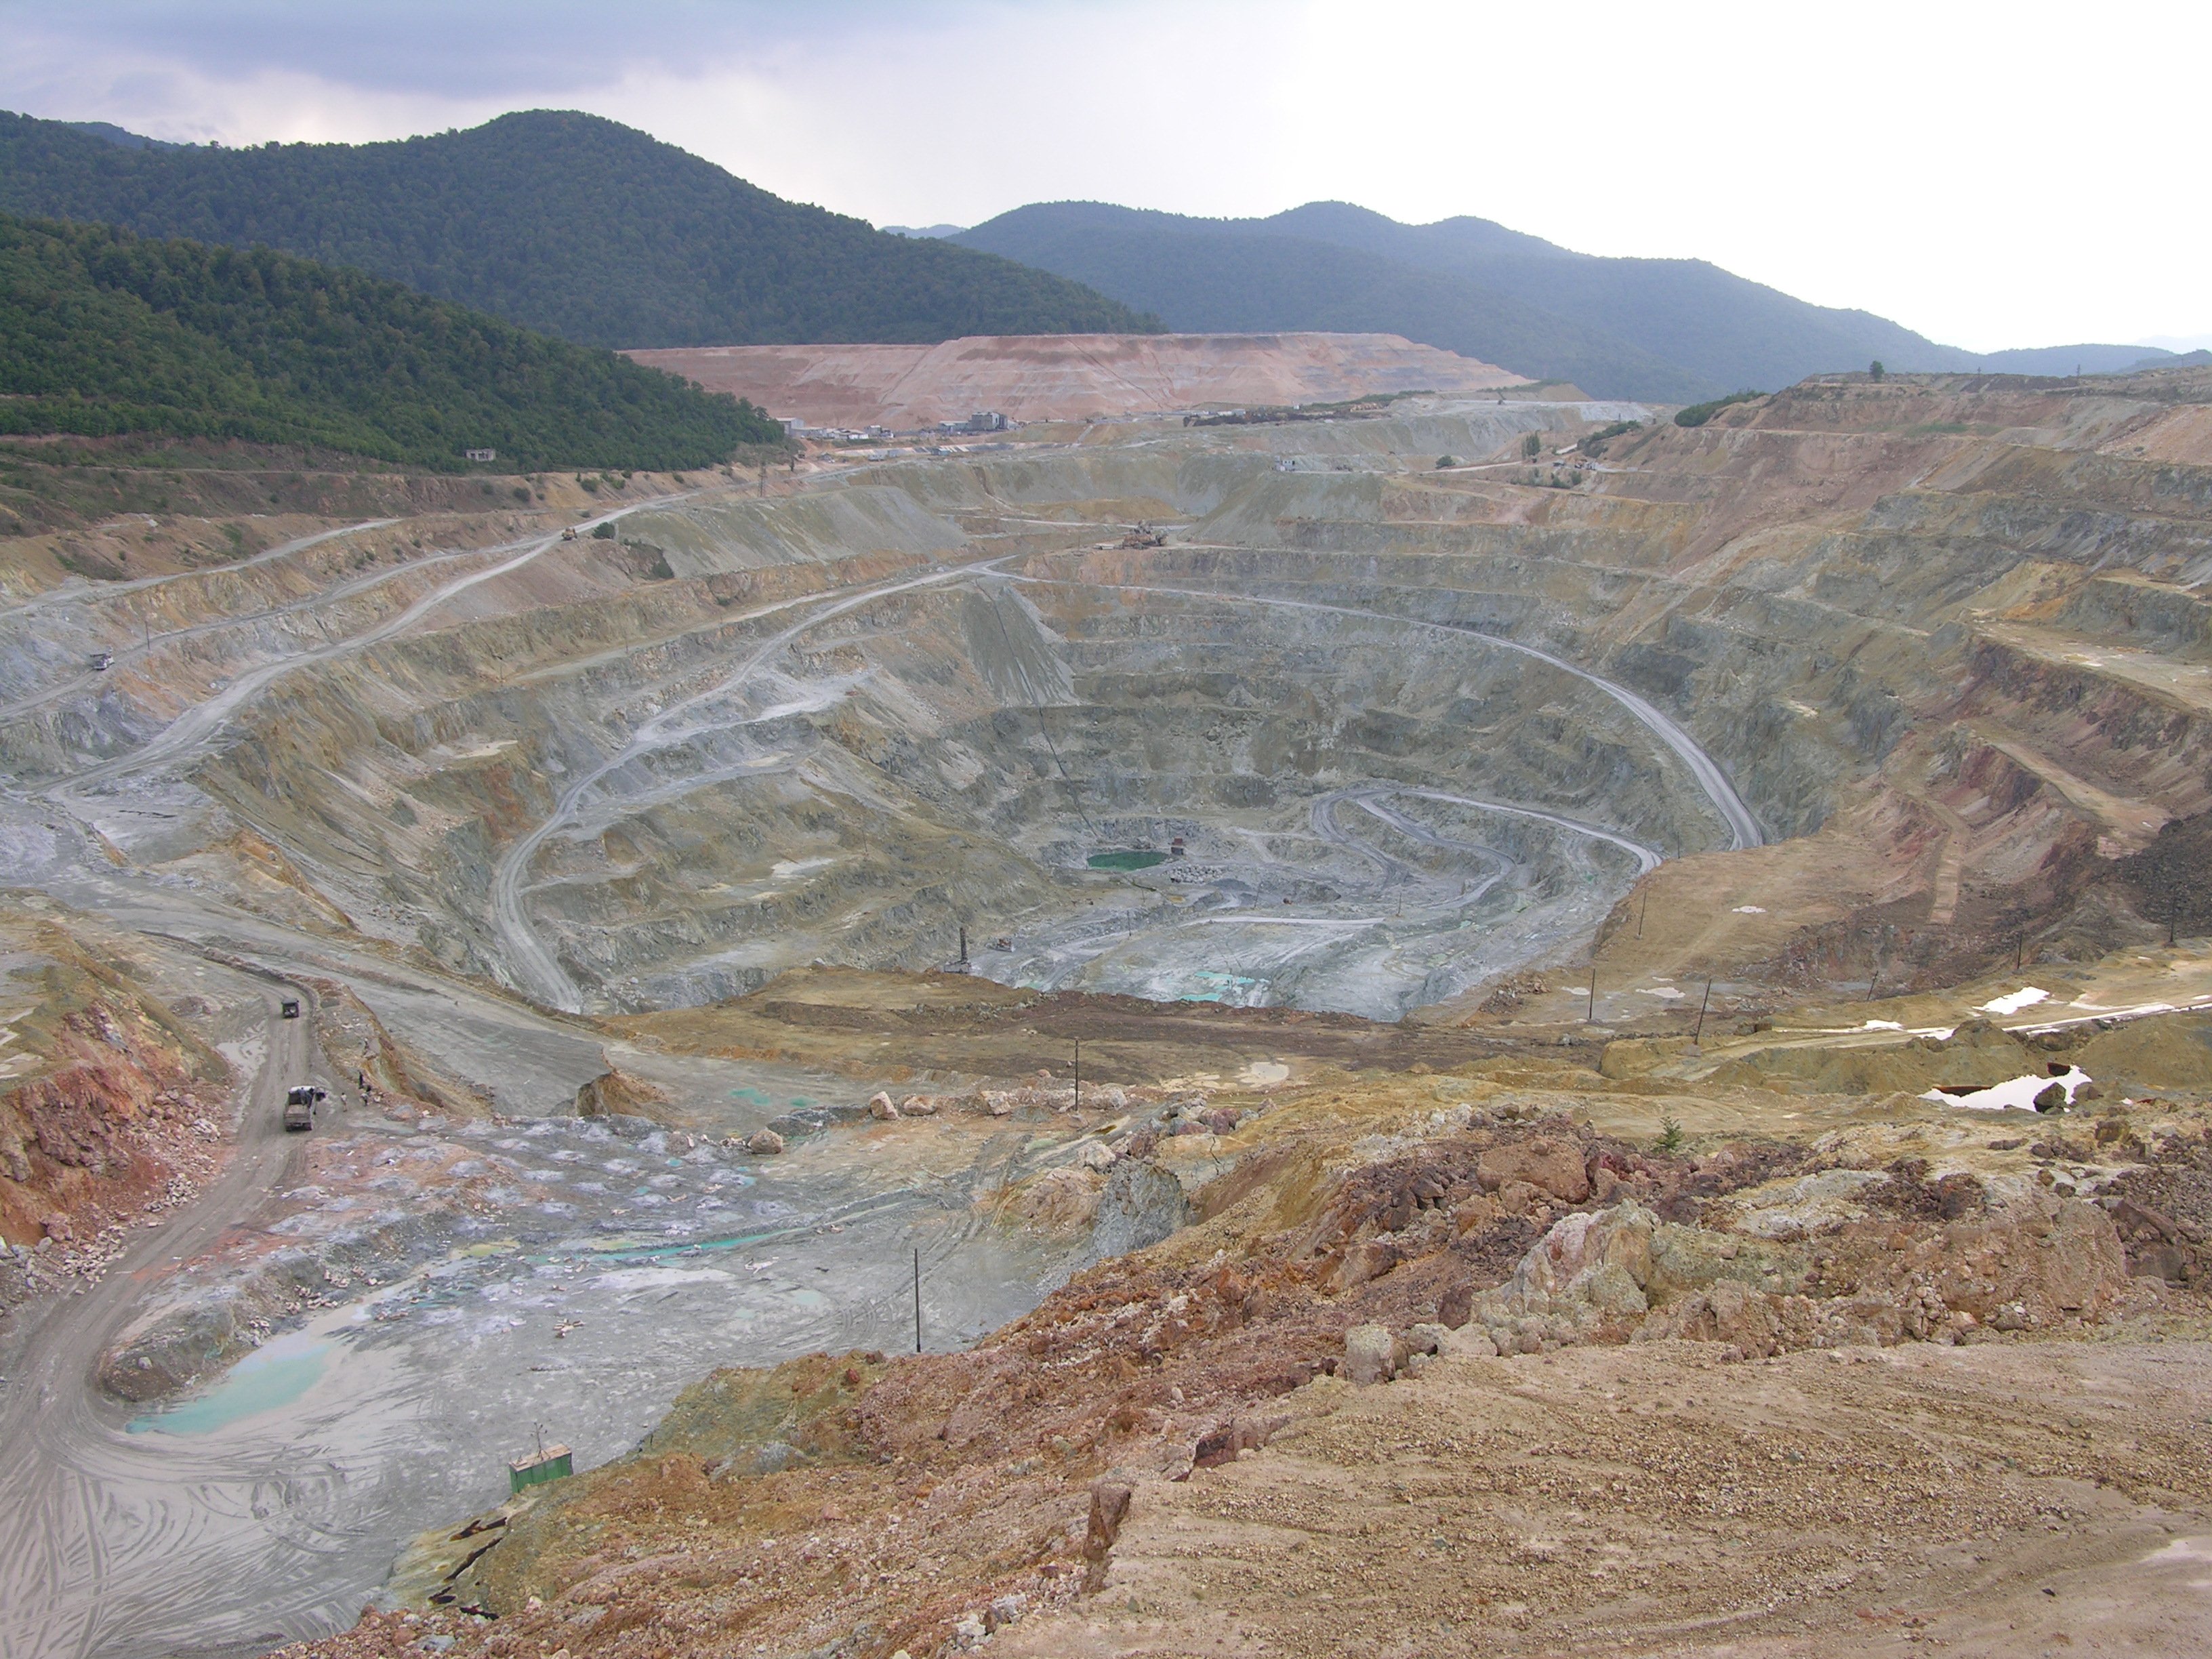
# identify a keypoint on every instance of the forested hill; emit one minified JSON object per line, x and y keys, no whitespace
{"x":103,"y":332}
{"x":1669,"y":330}
{"x":561,"y":221}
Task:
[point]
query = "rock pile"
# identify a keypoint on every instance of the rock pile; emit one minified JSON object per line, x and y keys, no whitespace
{"x":1623,"y":1275}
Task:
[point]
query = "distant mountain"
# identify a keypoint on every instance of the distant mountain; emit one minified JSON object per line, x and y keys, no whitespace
{"x":108,"y":132}
{"x":103,"y":332}
{"x":2074,"y":360}
{"x":1667,"y":330}
{"x":935,"y":231}
{"x":2197,"y":359}
{"x":560,"y":222}
{"x":1204,"y":277}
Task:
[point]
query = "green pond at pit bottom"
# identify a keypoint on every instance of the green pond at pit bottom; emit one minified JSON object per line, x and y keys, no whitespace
{"x":270,"y":1376}
{"x":1135,"y":858}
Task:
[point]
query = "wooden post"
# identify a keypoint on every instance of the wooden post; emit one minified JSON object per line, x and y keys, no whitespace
{"x":1642,"y":910}
{"x":1696,"y":1035}
{"x":917,"y":1298}
{"x":1591,"y":1012}
{"x":1078,"y":1074}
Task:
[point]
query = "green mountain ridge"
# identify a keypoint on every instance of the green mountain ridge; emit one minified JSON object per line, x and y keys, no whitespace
{"x":1206,"y":278}
{"x":103,"y":332}
{"x":558,"y":221}
{"x":1664,"y":330}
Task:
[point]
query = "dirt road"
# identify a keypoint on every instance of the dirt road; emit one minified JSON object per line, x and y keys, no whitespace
{"x":1743,"y":827}
{"x":536,"y":967}
{"x":93,"y":1553}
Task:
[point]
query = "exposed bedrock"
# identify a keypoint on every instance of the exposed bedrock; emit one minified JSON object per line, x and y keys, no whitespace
{"x":1392,"y":730}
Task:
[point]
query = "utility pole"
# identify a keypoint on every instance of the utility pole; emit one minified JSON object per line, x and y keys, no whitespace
{"x":1591,"y":1012}
{"x":1641,"y":910}
{"x":917,"y":1298}
{"x":1078,"y":1074}
{"x":963,"y":944}
{"x":1702,"y":1001}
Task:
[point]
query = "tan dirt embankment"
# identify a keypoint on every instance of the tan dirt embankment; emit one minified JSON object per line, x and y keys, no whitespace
{"x":1068,"y":377}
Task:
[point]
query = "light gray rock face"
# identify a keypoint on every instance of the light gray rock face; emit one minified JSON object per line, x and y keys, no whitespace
{"x":1372,"y":1353}
{"x":1142,"y":1204}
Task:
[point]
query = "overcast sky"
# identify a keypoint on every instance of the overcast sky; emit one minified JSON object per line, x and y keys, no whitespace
{"x":1990,"y":174}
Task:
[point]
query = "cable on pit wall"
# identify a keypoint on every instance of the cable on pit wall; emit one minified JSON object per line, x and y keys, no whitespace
{"x":1042,"y":731}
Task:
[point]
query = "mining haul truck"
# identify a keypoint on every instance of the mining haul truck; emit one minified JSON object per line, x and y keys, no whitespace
{"x":299,"y":1102}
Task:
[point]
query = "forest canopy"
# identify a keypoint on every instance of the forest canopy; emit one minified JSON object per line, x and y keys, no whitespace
{"x":103,"y":332}
{"x":561,"y":221}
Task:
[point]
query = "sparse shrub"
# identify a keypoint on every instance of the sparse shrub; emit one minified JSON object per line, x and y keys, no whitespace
{"x":522,"y":493}
{"x":1532,"y":447}
{"x":1698,"y":414}
{"x":1594,"y":444}
{"x":590,"y":482}
{"x":1875,"y":370}
{"x":1670,"y":1135}
{"x":1445,"y":463}
{"x":604,"y":533}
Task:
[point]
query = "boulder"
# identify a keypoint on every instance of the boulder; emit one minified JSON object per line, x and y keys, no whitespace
{"x":1142,"y":1205}
{"x":1470,"y":1342}
{"x":1475,"y":1213}
{"x":1799,"y":1207}
{"x":917,"y":1106}
{"x":1587,"y":1275}
{"x":1520,"y":1197}
{"x":1371,"y":1354}
{"x":766,"y":1142}
{"x":1109,"y":1507}
{"x":1370,"y":1259}
{"x":1552,"y":1165}
{"x":880,"y":1107}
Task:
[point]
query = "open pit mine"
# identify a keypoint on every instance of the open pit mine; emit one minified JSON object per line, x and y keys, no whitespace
{"x":1470,"y":1023}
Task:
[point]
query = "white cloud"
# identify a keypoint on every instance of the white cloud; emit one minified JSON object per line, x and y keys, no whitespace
{"x":1987,"y":174}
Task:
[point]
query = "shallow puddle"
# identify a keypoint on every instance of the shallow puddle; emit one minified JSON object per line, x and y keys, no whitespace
{"x":270,"y":1376}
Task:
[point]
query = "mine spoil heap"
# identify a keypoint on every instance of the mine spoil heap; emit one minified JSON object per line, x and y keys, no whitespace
{"x":1644,"y":1003}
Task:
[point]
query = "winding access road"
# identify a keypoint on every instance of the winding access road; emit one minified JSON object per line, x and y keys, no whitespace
{"x":537,"y":969}
{"x":87,"y":595}
{"x":203,"y":720}
{"x":1743,"y":827}
{"x":103,"y":1535}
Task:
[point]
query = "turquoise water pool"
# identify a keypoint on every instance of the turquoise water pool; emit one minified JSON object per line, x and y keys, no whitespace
{"x":270,"y":1376}
{"x":1135,"y":858}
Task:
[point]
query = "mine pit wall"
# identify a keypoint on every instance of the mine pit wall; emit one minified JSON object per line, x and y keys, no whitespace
{"x":126,"y":1112}
{"x":444,"y":746}
{"x":391,"y":779}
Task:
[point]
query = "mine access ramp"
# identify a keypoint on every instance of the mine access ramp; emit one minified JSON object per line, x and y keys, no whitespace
{"x":299,"y":1102}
